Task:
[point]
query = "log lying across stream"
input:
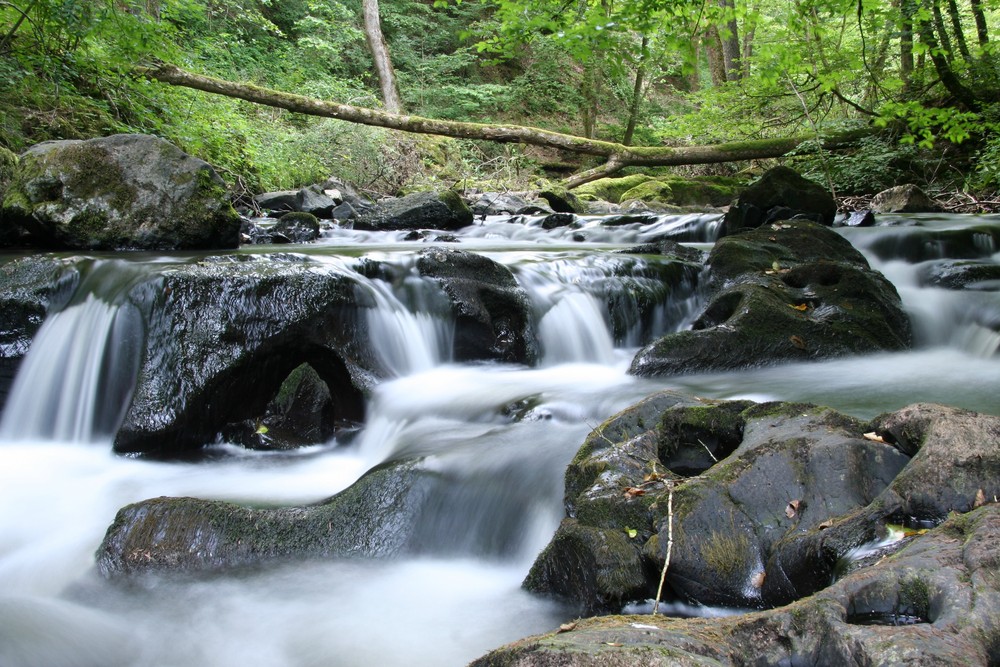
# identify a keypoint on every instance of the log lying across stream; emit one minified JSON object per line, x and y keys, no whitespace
{"x":618,"y":155}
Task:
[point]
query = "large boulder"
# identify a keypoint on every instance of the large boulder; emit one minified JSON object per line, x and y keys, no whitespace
{"x":222,"y":336}
{"x":444,"y":210}
{"x":758,"y":505}
{"x":936,"y":602}
{"x":373,"y":518}
{"x":492,"y":314}
{"x":785,"y":292}
{"x":780,"y":194}
{"x":118,"y":192}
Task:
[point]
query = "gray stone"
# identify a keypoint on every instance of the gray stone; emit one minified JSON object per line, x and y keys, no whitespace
{"x":904,"y":199}
{"x":119,"y":192}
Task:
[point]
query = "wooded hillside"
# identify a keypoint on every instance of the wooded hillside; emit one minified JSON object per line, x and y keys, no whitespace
{"x":654,"y":77}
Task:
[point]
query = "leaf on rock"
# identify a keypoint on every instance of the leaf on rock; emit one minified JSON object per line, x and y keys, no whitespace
{"x":566,"y":627}
{"x":634,"y":492}
{"x":793,"y":508}
{"x":802,"y":307}
{"x":798,"y":342}
{"x":874,"y":437}
{"x":980,"y":499}
{"x":631,"y":532}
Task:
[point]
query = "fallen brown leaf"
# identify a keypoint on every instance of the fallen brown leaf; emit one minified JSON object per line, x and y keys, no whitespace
{"x":874,"y":437}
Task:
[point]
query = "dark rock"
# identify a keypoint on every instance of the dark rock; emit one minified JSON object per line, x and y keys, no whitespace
{"x":630,"y":219}
{"x":784,"y":188}
{"x":667,"y":248}
{"x":346,"y":193}
{"x":282,"y":201}
{"x":316,"y":201}
{"x":556,"y":220}
{"x":374,"y":518}
{"x":961,"y":274}
{"x":790,"y":291}
{"x":30,"y":287}
{"x":297,"y":227}
{"x":491,"y":311}
{"x":343,"y":211}
{"x":920,"y":244}
{"x":864,"y":218}
{"x":119,"y":192}
{"x":935,"y":603}
{"x":746,"y":478}
{"x":563,"y":201}
{"x":224,"y":333}
{"x":904,"y":199}
{"x":499,"y":203}
{"x":443,"y":210}
{"x":534,"y":209}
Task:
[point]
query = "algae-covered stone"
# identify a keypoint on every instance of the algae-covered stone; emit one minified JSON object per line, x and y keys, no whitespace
{"x":119,"y":192}
{"x":780,"y":194}
{"x":8,"y":163}
{"x":610,"y":189}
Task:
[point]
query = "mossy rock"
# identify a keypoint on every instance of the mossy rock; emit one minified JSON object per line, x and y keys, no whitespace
{"x":436,"y":209}
{"x":119,"y":192}
{"x":610,"y":189}
{"x":8,"y":164}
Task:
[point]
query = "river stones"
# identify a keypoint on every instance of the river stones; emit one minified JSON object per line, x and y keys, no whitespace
{"x":373,"y":518}
{"x":780,"y":194}
{"x":904,"y":199}
{"x":492,"y":319}
{"x":789,"y":291}
{"x":759,"y":503}
{"x":444,"y":210}
{"x":119,"y":192}
{"x":935,"y":602}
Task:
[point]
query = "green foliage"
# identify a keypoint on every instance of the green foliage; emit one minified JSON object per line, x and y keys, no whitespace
{"x":874,"y":164}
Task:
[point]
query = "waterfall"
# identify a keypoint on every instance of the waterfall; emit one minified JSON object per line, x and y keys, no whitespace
{"x":76,"y":379}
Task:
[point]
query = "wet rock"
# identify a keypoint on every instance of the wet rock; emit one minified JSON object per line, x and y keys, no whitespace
{"x":934,"y":603}
{"x":225,"y":332}
{"x":344,"y":211}
{"x":745,"y":479}
{"x":492,"y":319}
{"x":442,"y":210}
{"x":373,"y":518}
{"x":904,"y":199}
{"x":30,"y":287}
{"x":784,"y":188}
{"x":556,"y":220}
{"x":118,"y":192}
{"x":789,"y":291}
{"x":920,"y":244}
{"x":865,"y":218}
{"x":961,"y":274}
{"x":297,"y":227}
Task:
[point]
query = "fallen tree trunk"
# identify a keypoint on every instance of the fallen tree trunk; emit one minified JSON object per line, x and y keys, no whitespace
{"x":618,"y":155}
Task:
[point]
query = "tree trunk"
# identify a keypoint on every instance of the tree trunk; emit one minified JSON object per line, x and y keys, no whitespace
{"x":982,"y":33}
{"x":637,"y":93}
{"x":731,"y":46}
{"x":380,"y":55}
{"x":906,"y":10}
{"x":962,"y":94}
{"x":943,"y":39}
{"x":716,"y":61}
{"x":956,"y":27}
{"x":618,"y":155}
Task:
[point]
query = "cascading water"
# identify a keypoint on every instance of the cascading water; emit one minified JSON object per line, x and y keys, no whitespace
{"x":497,"y":437}
{"x":76,"y":380}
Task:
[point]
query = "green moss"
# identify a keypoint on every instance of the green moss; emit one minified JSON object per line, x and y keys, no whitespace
{"x":726,"y":554}
{"x":610,"y":189}
{"x":914,"y":597}
{"x":456,"y":204}
{"x":650,"y":192}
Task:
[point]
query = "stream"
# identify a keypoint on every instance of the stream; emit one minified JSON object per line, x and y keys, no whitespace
{"x":459,"y":594}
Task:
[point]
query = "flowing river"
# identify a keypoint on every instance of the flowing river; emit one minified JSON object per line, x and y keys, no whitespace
{"x":458,"y":595}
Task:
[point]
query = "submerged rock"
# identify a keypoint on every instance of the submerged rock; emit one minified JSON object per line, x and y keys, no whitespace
{"x":789,"y":291}
{"x":119,"y":192}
